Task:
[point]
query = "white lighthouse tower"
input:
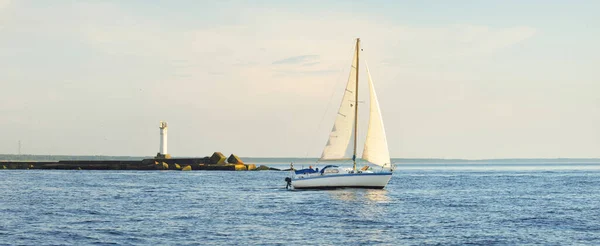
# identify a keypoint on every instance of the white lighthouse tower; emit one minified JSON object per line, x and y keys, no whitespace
{"x":163,"y":138}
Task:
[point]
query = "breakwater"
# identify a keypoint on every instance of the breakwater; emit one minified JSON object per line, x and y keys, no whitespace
{"x":215,"y":162}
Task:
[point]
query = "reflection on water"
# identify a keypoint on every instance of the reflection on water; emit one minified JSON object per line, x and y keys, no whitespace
{"x":367,"y":208}
{"x":343,"y":194}
{"x":375,"y":195}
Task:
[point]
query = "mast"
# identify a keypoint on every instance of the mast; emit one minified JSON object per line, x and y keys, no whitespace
{"x":356,"y":106}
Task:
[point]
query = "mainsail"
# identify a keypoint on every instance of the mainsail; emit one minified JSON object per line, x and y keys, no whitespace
{"x":376,"y":148}
{"x":341,"y":132}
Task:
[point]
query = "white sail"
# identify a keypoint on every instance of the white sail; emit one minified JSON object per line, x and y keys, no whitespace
{"x":341,"y":133}
{"x":376,"y":148}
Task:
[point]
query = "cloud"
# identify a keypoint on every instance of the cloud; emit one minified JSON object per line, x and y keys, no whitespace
{"x":310,"y":64}
{"x":301,"y":72}
{"x":235,"y":54}
{"x":4,"y":4}
{"x":304,"y":65}
{"x":254,"y":69}
{"x":300,"y":60}
{"x":236,"y":59}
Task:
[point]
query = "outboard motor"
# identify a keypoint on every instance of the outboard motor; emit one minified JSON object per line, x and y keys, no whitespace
{"x":288,"y":180}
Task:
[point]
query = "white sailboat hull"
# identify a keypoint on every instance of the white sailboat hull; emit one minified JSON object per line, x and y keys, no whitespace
{"x":353,"y":180}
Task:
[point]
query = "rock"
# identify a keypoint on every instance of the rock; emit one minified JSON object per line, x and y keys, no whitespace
{"x":177,"y":166}
{"x":251,"y":167}
{"x":218,"y":158}
{"x":240,"y":167}
{"x":234,"y":159}
{"x":165,"y":166}
{"x":262,"y":168}
{"x":265,"y":168}
{"x":187,"y":168}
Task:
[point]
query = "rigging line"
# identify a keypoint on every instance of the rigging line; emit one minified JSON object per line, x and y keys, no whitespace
{"x":336,"y":84}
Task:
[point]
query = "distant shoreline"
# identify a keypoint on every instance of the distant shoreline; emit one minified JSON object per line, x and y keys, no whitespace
{"x":31,"y":157}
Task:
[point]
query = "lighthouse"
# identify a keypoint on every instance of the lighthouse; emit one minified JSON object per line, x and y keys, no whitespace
{"x":163,"y":138}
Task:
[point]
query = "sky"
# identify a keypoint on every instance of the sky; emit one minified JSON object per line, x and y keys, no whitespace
{"x":455,"y":79}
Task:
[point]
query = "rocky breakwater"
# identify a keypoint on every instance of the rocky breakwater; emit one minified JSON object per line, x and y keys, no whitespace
{"x":217,"y":162}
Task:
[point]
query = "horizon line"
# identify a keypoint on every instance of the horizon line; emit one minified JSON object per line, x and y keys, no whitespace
{"x":280,"y":157}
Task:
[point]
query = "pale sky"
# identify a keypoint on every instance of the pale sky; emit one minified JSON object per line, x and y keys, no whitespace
{"x":455,"y":79}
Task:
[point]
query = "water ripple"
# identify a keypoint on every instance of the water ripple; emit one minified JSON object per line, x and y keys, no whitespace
{"x":419,"y":207}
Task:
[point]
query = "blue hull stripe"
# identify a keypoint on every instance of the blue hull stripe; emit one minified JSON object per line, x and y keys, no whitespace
{"x":338,"y":187}
{"x":343,"y":175}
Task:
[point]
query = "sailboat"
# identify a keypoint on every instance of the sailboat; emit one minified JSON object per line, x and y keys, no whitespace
{"x":344,"y":129}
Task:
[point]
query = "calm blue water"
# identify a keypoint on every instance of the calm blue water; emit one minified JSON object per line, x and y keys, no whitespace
{"x":430,"y":205}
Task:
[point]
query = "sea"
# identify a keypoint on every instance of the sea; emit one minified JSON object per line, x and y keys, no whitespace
{"x":427,"y":202}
